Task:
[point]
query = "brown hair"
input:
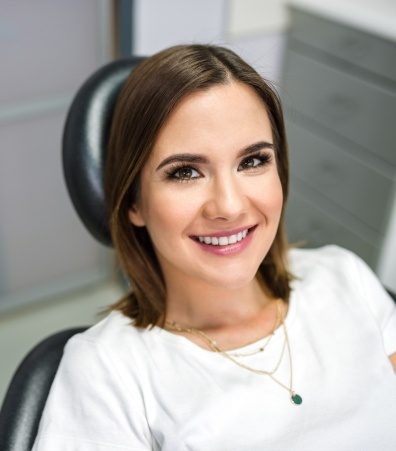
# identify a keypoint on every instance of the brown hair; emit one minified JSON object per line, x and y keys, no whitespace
{"x":150,"y":93}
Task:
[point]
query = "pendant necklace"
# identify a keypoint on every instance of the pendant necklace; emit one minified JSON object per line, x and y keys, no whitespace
{"x":294,"y":397}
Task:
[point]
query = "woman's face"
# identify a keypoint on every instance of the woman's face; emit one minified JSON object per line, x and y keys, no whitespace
{"x":211,"y":197}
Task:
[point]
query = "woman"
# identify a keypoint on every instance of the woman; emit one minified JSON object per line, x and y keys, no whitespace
{"x":228,"y":341}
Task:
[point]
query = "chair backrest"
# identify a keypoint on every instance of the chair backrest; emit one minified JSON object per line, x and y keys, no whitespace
{"x":84,"y":143}
{"x":28,"y":391}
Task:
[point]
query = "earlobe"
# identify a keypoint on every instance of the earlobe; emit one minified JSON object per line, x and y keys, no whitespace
{"x":136,"y":217}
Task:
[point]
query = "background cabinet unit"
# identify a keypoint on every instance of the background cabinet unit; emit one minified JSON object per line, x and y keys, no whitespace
{"x":339,"y":95}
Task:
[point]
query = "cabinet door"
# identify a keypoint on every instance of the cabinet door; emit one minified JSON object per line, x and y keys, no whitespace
{"x":310,"y":223}
{"x":373,"y":54}
{"x":348,"y":181}
{"x":347,"y":106}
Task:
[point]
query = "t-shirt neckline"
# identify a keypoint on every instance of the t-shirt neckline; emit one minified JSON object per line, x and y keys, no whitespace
{"x":180,"y":340}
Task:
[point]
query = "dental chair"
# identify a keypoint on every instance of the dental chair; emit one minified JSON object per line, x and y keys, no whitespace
{"x":84,"y":141}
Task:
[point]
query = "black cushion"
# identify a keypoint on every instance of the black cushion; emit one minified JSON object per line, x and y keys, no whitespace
{"x":393,"y":295}
{"x":85,"y":138}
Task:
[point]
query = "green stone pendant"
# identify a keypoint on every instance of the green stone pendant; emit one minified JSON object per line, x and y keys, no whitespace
{"x":296,"y":399}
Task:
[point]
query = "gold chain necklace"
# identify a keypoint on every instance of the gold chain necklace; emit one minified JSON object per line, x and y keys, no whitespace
{"x":294,"y":397}
{"x":263,"y":346}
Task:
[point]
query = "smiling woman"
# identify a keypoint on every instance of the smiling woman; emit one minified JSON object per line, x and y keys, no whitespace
{"x":212,"y":119}
{"x":228,"y":340}
{"x":226,"y":183}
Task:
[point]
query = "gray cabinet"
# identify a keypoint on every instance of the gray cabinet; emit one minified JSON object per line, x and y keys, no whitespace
{"x":339,"y":95}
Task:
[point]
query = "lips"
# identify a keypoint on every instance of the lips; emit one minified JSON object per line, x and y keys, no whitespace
{"x":224,"y":240}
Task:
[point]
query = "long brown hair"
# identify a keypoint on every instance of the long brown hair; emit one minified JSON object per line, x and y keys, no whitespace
{"x":150,"y":93}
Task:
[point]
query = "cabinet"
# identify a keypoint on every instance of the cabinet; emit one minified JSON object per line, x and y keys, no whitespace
{"x":339,"y":96}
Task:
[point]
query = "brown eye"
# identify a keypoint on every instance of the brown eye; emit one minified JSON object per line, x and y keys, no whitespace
{"x":250,"y":162}
{"x":254,"y":162}
{"x":185,"y":173}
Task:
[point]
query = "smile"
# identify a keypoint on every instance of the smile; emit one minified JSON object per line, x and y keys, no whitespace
{"x":223,"y":240}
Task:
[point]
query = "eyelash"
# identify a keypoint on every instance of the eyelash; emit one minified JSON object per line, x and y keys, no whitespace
{"x":264,"y":159}
{"x":173,"y":170}
{"x":170,"y":173}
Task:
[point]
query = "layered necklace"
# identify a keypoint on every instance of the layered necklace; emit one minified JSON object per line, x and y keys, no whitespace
{"x":294,"y":397}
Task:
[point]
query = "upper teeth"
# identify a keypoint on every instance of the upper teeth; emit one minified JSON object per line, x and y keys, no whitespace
{"x":223,"y":240}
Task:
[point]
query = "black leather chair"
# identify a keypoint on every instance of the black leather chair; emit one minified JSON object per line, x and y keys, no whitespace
{"x":84,"y":143}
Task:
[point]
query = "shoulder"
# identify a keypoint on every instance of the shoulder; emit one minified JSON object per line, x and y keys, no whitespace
{"x":339,"y":277}
{"x":328,"y":260}
{"x":337,"y":274}
{"x":95,"y":399}
{"x":111,"y":344}
{"x":101,"y":349}
{"x":336,"y":270}
{"x":112,"y":334}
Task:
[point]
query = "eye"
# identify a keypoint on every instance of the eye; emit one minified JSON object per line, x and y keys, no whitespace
{"x":254,"y":161}
{"x":183,"y":173}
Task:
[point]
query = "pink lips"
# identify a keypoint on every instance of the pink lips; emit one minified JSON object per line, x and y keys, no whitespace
{"x":228,"y":249}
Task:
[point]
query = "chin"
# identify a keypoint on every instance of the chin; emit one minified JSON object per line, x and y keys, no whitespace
{"x":233,"y":282}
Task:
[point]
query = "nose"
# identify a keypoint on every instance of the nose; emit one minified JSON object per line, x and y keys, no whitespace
{"x":226,"y":199}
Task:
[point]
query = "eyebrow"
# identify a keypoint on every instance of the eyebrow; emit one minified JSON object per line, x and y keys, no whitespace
{"x":196,"y":158}
{"x":255,"y":147}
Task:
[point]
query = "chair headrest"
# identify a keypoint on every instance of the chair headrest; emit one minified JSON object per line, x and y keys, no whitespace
{"x":85,"y":138}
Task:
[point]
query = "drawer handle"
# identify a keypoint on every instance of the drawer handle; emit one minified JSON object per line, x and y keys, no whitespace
{"x":329,"y":174}
{"x":338,"y":107}
{"x":352,"y":48}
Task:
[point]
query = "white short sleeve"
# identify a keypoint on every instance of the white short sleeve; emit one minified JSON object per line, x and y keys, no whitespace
{"x":90,"y":408}
{"x":381,"y":304}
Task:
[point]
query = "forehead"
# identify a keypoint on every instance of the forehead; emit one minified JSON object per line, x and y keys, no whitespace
{"x":226,"y":116}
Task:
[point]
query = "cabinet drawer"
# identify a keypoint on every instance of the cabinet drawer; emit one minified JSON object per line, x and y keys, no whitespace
{"x":354,"y":109}
{"x":358,"y":188}
{"x":307,"y":222}
{"x":370,"y":52}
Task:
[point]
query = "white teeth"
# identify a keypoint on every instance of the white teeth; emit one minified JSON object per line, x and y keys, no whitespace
{"x":223,"y":240}
{"x":232,"y":239}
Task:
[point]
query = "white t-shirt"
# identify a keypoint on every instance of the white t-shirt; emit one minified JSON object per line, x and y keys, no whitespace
{"x":122,"y":388}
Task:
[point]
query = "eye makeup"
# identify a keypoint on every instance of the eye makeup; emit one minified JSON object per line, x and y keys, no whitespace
{"x":255,"y":161}
{"x":181,"y":172}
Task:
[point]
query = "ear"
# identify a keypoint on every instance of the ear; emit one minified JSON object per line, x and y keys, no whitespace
{"x":135,"y":216}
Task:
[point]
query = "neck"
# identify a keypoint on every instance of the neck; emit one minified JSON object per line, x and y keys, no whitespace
{"x":215,"y":307}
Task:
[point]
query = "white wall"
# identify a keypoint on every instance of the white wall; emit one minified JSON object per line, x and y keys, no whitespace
{"x":47,"y":50}
{"x":253,"y":28}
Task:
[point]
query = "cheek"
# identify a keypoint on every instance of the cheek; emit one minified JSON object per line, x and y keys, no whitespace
{"x":167,"y":212}
{"x":271,"y":196}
